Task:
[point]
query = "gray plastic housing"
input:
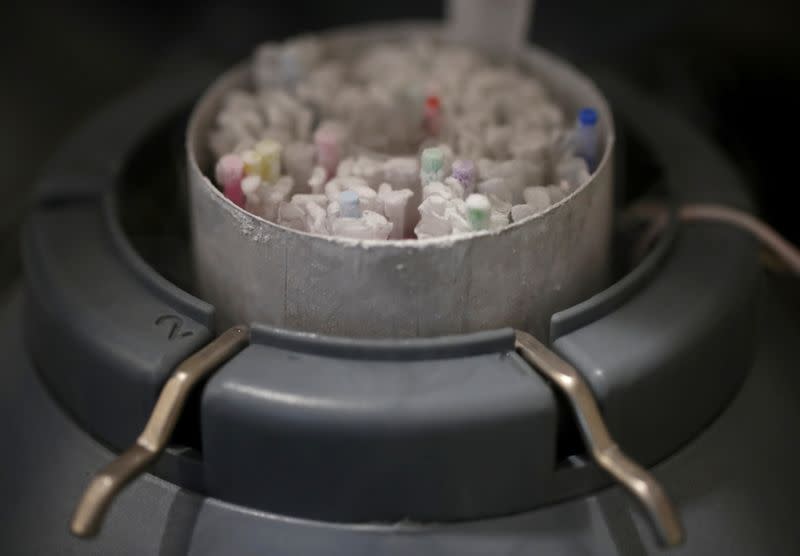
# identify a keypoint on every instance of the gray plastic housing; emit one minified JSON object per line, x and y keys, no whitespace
{"x":381,"y":432}
{"x":664,"y":353}
{"x":733,"y":485}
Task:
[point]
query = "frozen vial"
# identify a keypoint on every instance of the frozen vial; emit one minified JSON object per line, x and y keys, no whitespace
{"x":431,"y":165}
{"x":292,"y":216}
{"x":432,"y":115}
{"x":518,"y":212}
{"x":317,"y":180}
{"x":229,"y":170}
{"x":329,"y":142}
{"x":233,"y":191}
{"x":298,"y":159}
{"x":377,"y":224}
{"x":345,"y":167}
{"x":253,"y":190}
{"x":349,"y":204}
{"x":333,"y":188}
{"x":270,"y":151}
{"x":537,"y":197}
{"x":433,"y":220}
{"x":478,"y":210}
{"x":250,"y":187}
{"x":455,"y":187}
{"x":456,"y":215}
{"x":395,"y":203}
{"x":465,"y":172}
{"x":316,"y":219}
{"x":252,"y":163}
{"x":586,"y":137}
{"x":367,"y":197}
{"x":437,"y":188}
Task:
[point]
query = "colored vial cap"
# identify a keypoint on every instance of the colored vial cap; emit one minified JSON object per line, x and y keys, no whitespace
{"x":229,"y":169}
{"x":464,"y":170}
{"x":432,"y":159}
{"x":478,"y":209}
{"x":270,"y":151}
{"x":433,"y":106}
{"x":587,"y":116}
{"x":432,"y":102}
{"x":252,"y":163}
{"x":349,"y":206}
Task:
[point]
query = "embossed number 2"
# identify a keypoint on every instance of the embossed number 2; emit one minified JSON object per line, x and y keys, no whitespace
{"x":174,"y":323}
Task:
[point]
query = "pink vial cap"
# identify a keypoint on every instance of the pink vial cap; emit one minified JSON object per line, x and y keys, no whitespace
{"x":229,"y":170}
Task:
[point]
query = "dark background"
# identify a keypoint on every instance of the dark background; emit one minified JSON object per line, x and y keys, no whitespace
{"x":729,"y":67}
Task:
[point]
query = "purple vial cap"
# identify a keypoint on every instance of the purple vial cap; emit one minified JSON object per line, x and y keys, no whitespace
{"x":463,"y":170}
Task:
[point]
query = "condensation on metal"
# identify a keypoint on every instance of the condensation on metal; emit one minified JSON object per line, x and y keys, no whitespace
{"x":253,"y":270}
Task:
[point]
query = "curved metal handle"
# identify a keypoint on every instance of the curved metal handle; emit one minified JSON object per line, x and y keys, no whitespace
{"x":605,"y":452}
{"x":108,"y":482}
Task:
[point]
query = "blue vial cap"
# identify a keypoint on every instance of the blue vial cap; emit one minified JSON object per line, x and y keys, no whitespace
{"x":587,"y":116}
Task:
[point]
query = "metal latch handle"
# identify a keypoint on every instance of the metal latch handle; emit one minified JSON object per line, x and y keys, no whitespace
{"x":109,"y":481}
{"x":605,"y":452}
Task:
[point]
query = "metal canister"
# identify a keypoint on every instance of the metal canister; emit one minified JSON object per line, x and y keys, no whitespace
{"x":254,"y":270}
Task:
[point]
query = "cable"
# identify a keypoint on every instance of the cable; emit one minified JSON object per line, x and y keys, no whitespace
{"x":658,"y":215}
{"x":771,"y":239}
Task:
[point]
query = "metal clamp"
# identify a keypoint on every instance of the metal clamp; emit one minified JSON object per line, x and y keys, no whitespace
{"x":107,"y":483}
{"x":605,"y":452}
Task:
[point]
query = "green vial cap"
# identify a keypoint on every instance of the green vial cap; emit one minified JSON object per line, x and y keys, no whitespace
{"x":478,"y":210}
{"x":432,"y":160}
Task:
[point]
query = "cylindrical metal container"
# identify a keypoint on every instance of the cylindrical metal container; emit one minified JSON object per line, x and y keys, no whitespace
{"x":255,"y":270}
